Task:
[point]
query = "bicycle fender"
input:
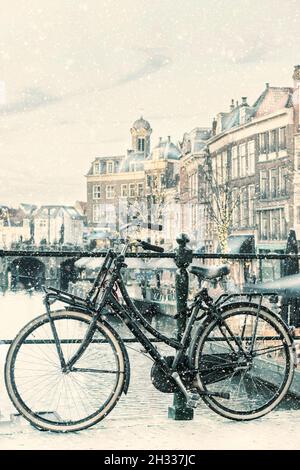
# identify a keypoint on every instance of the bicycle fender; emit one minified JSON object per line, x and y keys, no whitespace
{"x":262,"y":307}
{"x":118,"y":337}
{"x":228,"y":307}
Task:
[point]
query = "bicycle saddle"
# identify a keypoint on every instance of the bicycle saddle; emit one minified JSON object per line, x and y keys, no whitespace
{"x":210,"y":272}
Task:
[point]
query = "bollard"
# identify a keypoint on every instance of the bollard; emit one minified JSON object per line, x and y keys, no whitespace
{"x":183,"y":258}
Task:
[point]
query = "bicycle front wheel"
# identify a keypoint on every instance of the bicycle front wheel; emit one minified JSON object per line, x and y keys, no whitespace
{"x":245,"y":354}
{"x":57,"y":400}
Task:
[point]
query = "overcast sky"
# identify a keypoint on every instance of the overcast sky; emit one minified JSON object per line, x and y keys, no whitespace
{"x":75,"y":74}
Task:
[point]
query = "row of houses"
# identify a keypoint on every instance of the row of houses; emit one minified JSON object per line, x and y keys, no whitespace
{"x":233,"y":182}
{"x":47,"y":224}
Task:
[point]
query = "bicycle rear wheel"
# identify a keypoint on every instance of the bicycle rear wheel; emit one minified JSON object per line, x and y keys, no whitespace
{"x":247,"y":355}
{"x":52,"y":399}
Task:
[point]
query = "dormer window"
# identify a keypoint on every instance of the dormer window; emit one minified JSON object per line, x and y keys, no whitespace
{"x":96,"y":168}
{"x":141,"y":144}
{"x":109,"y":167}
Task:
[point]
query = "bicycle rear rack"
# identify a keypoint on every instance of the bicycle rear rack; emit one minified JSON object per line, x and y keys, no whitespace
{"x":249,"y":295}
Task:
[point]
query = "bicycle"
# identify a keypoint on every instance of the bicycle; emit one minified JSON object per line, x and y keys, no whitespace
{"x":67,"y":369}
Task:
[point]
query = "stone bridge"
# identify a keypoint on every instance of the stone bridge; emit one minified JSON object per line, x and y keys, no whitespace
{"x":26,"y":271}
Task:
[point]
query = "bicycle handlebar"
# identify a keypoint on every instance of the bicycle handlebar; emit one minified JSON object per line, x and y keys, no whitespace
{"x":148,"y":246}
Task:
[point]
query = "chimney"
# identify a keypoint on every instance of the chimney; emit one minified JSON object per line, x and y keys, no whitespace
{"x":160,"y":139}
{"x":169,"y":138}
{"x":232,"y":105}
{"x":236,"y":103}
{"x":267,"y":85}
{"x":244,"y":101}
{"x":296,"y":76}
{"x":214,"y":126}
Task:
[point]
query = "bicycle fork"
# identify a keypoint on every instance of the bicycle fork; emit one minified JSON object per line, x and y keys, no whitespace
{"x":67,"y":366}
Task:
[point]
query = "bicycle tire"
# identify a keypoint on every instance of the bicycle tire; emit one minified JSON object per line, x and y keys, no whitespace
{"x":220,"y":370}
{"x":32,"y":359}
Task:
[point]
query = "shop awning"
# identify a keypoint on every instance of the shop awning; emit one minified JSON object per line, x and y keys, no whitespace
{"x":164,"y":263}
{"x":98,"y":235}
{"x":240,"y":244}
{"x":89,"y":263}
{"x":81,"y":263}
{"x":286,"y":286}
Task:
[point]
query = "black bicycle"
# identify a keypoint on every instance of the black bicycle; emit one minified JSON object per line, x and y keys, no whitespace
{"x":66,"y":370}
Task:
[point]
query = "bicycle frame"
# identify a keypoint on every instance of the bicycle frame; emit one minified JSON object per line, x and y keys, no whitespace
{"x":131,"y":315}
{"x":128,"y":314}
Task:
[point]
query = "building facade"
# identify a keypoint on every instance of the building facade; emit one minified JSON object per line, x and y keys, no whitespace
{"x":192,"y":208}
{"x":57,"y":225}
{"x":253,"y":154}
{"x":15,"y":226}
{"x":140,"y":184}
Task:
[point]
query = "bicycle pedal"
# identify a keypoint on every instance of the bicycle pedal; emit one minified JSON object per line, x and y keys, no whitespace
{"x":216,"y":394}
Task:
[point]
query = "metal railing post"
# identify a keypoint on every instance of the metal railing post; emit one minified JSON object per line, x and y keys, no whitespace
{"x":183,"y":258}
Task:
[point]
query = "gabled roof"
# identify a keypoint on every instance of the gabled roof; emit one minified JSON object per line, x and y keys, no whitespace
{"x":52,"y":211}
{"x":12,"y":217}
{"x":28,"y":209}
{"x":272,"y":99}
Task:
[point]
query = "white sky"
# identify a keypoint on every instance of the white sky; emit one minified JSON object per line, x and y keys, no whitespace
{"x":75,"y":74}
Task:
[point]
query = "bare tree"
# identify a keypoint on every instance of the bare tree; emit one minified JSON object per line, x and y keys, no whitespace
{"x":219,"y":197}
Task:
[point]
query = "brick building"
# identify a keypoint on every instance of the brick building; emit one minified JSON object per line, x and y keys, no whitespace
{"x":141,"y":182}
{"x":253,"y":152}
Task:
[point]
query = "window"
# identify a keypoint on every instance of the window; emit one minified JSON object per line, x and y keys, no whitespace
{"x":275,"y":225}
{"x":193,"y":185}
{"x":244,"y":208}
{"x":264,"y":142}
{"x":132,"y":166}
{"x":109,"y":167}
{"x":124,"y":190}
{"x":264,"y":226}
{"x":284,"y":183}
{"x":251,"y":157}
{"x":243,"y":160}
{"x":140,"y":189}
{"x":273,"y":143}
{"x":141,"y":144}
{"x":97,"y":213}
{"x":234,"y":157}
{"x":283,"y":224}
{"x":214,"y":168}
{"x":251,"y":192}
{"x":219,"y":168}
{"x":282,"y":138}
{"x":235,"y":207}
{"x":264,"y":186}
{"x":274,"y":183}
{"x":96,"y":191}
{"x":224,"y":167}
{"x":132,"y":190}
{"x":298,"y":160}
{"x":110,"y":192}
{"x":298,"y":214}
{"x":96,"y":168}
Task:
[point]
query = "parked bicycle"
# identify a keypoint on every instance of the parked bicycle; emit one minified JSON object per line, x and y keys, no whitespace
{"x":67,"y":369}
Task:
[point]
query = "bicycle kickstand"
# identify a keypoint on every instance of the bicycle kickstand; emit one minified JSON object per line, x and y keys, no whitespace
{"x":192,"y":399}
